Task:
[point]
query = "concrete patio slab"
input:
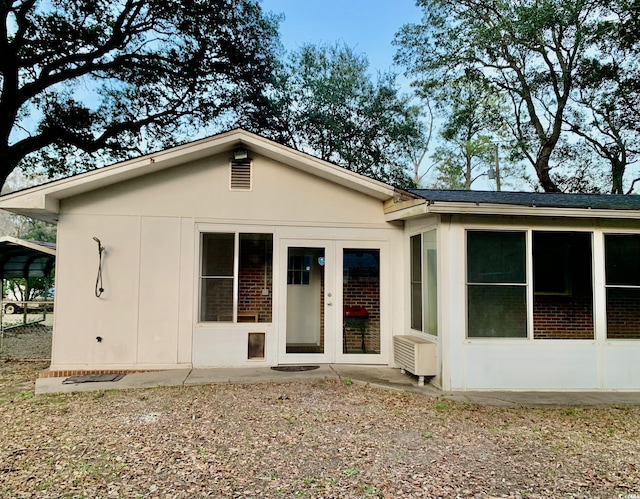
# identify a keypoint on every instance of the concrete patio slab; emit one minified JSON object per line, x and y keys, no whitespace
{"x":173,"y":377}
{"x":384,"y":377}
{"x":376,"y":376}
{"x":539,"y":399}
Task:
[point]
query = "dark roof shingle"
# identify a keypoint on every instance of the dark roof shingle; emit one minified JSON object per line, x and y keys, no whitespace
{"x":540,"y":199}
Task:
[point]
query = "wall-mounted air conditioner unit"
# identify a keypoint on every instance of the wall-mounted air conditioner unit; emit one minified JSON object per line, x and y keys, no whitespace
{"x":416,"y":355}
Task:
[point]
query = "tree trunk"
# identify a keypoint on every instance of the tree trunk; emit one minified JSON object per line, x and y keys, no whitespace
{"x":617,"y":173}
{"x":542,"y":169}
{"x":7,"y":165}
{"x":467,"y":174}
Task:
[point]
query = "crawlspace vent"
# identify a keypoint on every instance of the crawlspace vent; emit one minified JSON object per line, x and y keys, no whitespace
{"x":240,"y":178}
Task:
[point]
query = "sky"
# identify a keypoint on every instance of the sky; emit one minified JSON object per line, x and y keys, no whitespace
{"x":367,"y":26}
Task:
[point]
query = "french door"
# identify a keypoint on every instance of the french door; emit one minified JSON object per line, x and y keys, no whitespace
{"x":330,"y":303}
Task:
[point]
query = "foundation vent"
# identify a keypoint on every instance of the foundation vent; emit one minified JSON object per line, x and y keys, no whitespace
{"x":240,"y":177}
{"x":416,"y":355}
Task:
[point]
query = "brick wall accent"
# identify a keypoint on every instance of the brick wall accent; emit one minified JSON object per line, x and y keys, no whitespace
{"x":562,"y":317}
{"x":46,"y":373}
{"x":363,"y":292}
{"x":217,"y":299}
{"x":251,"y":282}
{"x":623,"y":313}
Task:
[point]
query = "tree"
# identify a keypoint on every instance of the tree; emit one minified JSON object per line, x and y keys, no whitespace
{"x":607,"y":130}
{"x":34,"y":230}
{"x":418,"y":156}
{"x":527,"y":50}
{"x":326,"y":104}
{"x":607,"y":98}
{"x":85,"y":81}
{"x":473,"y":125}
{"x":24,"y":227}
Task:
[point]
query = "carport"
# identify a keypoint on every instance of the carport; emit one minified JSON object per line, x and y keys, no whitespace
{"x":24,"y":259}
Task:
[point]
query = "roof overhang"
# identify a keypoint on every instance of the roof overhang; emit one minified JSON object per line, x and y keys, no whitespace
{"x":43,"y":202}
{"x":406,"y":210}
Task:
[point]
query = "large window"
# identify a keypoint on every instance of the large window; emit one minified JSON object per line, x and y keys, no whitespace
{"x":622,"y":269}
{"x":496,"y":284}
{"x":424,"y":282}
{"x":562,"y":281}
{"x":562,"y":285}
{"x":236,"y":277}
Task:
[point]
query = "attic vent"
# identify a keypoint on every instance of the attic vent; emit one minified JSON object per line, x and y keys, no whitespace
{"x":240,"y":178}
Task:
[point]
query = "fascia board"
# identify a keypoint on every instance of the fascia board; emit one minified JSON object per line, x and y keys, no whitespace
{"x":46,"y":197}
{"x":509,"y":210}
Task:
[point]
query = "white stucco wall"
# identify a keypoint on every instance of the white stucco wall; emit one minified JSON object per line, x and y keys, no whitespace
{"x":527,"y":363}
{"x":149,"y":226}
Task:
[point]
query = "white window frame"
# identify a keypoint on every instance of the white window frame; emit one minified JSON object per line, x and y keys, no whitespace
{"x":599,"y":300}
{"x":424,"y":282}
{"x":236,"y":231}
{"x":606,"y":286}
{"x":528,"y":269}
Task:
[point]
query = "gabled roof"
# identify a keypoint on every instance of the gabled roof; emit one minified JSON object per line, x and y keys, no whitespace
{"x":43,"y":202}
{"x":20,"y":258}
{"x":517,"y":203}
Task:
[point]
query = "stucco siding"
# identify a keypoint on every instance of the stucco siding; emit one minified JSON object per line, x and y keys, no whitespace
{"x":531,"y":363}
{"x":280,"y":194}
{"x":159,"y":291}
{"x":81,"y":318}
{"x":147,"y":317}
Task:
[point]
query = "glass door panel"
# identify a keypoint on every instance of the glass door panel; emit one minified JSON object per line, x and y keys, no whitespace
{"x":305,"y":332}
{"x":361,"y":301}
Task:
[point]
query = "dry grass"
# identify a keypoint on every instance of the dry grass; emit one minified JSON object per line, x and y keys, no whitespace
{"x":304,"y":439}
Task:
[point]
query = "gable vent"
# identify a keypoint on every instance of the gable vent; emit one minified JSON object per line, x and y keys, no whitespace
{"x":240,"y":178}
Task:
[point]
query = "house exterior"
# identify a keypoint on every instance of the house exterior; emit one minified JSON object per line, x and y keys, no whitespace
{"x":237,"y":251}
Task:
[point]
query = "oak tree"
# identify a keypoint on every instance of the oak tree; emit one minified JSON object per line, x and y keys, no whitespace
{"x":327,"y":104}
{"x":88,"y":81}
{"x":528,"y":51}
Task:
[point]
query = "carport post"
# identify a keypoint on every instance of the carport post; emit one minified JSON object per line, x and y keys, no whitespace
{"x":26,"y":295}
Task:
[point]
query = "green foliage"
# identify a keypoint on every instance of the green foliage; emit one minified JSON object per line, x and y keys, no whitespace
{"x":473,"y":120}
{"x":326,"y":104}
{"x":34,"y":230}
{"x":540,"y":57}
{"x":86,"y":82}
{"x":441,"y":405}
{"x":606,"y":115}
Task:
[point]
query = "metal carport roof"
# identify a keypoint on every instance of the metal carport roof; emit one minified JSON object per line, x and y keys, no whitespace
{"x":20,"y":258}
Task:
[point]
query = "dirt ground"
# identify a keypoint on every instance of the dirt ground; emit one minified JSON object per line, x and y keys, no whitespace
{"x":304,"y":439}
{"x":320,"y":439}
{"x":31,"y":342}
